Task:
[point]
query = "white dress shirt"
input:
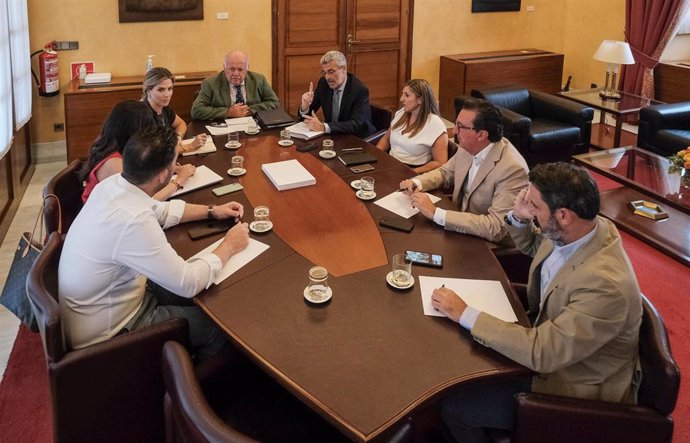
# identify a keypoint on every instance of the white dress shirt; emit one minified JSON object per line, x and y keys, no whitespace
{"x":113,"y":246}
{"x":415,"y":150}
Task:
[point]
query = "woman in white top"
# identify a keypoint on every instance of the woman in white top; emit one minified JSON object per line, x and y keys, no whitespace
{"x":417,"y":136}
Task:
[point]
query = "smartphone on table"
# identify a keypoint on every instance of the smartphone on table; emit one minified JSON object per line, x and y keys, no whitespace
{"x":424,"y":258}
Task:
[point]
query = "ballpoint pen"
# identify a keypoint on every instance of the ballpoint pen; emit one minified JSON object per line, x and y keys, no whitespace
{"x":414,"y":186}
{"x":350,"y":149}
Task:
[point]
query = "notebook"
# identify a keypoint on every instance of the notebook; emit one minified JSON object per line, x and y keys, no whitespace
{"x":274,"y":118}
{"x":288,"y":174}
{"x":356,"y":158}
{"x":301,"y":130}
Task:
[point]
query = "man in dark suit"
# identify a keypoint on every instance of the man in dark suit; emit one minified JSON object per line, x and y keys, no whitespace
{"x":344,"y":98}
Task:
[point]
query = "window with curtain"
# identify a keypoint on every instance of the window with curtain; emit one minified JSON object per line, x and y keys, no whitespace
{"x":21,"y":61}
{"x":5,"y":84}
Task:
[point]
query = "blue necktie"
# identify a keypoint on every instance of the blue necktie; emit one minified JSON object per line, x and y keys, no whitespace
{"x":239,"y":98}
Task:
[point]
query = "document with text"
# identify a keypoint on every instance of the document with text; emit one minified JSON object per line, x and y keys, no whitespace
{"x":484,"y":295}
{"x":253,"y":250}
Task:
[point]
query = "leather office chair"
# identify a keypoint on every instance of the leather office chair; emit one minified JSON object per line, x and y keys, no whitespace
{"x":543,"y":127}
{"x":540,"y":417}
{"x":68,"y":189}
{"x":664,"y":129}
{"x":241,"y":405}
{"x":108,"y":392}
{"x":381,"y":119}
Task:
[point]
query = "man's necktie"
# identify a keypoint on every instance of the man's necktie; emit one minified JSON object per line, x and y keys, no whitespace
{"x":336,"y":105}
{"x":239,"y":98}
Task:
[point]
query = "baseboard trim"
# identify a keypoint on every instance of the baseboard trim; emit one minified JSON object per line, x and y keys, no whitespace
{"x":49,"y":152}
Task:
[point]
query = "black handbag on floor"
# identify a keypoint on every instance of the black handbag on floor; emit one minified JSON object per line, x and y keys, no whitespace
{"x":14,"y":296}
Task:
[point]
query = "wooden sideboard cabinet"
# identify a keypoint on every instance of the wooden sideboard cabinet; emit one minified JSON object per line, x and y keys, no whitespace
{"x":87,"y":106}
{"x":671,"y":82}
{"x":531,"y":68}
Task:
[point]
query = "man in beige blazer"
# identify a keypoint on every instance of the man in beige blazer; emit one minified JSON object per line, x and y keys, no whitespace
{"x":583,"y":292}
{"x":487,"y":171}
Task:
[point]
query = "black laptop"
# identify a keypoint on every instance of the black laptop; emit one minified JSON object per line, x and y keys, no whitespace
{"x":274,"y":118}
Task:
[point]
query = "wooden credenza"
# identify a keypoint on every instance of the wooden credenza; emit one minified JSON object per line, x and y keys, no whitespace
{"x":531,"y":68}
{"x":87,"y":106}
{"x":671,"y":82}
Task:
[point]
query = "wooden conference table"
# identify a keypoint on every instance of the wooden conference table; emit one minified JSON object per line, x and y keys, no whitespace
{"x":369,"y":357}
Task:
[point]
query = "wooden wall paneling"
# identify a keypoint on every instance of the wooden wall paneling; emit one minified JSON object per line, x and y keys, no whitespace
{"x":379,"y":70}
{"x":16,"y":169}
{"x":671,"y":82}
{"x":6,"y":189}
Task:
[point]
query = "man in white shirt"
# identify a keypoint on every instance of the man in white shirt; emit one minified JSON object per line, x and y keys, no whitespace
{"x":487,"y":172}
{"x":583,"y":298}
{"x":117,"y":244}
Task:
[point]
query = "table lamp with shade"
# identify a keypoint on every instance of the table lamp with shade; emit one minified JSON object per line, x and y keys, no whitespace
{"x":614,"y":53}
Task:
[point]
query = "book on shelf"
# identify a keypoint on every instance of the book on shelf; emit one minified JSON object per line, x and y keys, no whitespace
{"x":301,"y":130}
{"x":288,"y":174}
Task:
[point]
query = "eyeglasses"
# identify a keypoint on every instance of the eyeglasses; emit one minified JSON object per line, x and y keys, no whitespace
{"x":460,"y":127}
{"x":330,"y":72}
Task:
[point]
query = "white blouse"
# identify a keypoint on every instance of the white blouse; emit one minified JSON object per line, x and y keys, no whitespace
{"x":415,"y":150}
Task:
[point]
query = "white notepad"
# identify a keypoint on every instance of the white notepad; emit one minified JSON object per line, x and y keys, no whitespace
{"x":209,"y":146}
{"x":253,"y":250}
{"x":202,"y":177}
{"x":288,"y":174}
{"x":399,"y":203}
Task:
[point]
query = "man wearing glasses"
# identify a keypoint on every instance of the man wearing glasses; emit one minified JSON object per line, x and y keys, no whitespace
{"x":233,"y":92}
{"x":487,"y":171}
{"x":343,"y":97}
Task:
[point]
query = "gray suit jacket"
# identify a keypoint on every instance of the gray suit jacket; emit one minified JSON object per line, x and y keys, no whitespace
{"x":498,"y":181}
{"x":584,"y":342}
{"x":214,"y":100}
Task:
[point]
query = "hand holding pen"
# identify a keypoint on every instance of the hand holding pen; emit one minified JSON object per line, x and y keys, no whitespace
{"x":407,"y":186}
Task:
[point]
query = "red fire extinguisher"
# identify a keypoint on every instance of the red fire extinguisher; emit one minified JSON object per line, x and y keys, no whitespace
{"x":48,"y":71}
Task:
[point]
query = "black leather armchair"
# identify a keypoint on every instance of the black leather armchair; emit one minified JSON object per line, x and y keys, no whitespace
{"x":381,"y":119}
{"x":543,"y":127}
{"x":108,"y":392}
{"x":664,"y":129}
{"x":539,"y":417}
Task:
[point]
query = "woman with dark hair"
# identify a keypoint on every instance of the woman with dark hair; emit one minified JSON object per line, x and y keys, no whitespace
{"x":105,"y":156}
{"x":158,"y":90}
{"x":417,"y":136}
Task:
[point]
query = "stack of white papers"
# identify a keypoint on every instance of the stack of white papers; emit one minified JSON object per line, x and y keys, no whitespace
{"x":202,"y":177}
{"x":302,"y":131}
{"x":236,"y":261}
{"x":288,"y":174}
{"x":231,"y":125}
{"x":484,"y":295}
{"x":209,"y":146}
{"x":400,"y":203}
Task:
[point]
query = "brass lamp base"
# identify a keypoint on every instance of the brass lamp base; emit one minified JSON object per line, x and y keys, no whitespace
{"x":609,"y":95}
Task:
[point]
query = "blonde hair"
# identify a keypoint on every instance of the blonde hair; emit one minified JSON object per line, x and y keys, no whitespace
{"x":422,"y":90}
{"x":155,"y":76}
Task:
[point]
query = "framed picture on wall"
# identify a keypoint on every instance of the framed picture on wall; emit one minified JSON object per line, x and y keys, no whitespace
{"x":160,"y":10}
{"x":495,"y":5}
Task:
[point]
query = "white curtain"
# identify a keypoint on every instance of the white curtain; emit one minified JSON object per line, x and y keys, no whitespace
{"x":5,"y":84}
{"x":21,"y":61}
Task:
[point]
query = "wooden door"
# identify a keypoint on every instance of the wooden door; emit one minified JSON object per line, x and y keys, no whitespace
{"x":375,"y":35}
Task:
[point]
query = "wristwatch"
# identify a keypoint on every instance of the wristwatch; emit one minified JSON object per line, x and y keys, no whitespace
{"x":174,"y":182}
{"x":209,"y":212}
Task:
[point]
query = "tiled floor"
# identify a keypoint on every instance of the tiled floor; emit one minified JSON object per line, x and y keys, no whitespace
{"x":23,"y":221}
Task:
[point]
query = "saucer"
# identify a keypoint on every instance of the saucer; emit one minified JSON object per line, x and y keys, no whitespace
{"x":355,"y":184}
{"x":326,"y":154}
{"x":389,"y":280}
{"x":248,"y":132}
{"x":359,"y":195}
{"x":286,"y":143}
{"x":253,"y":228}
{"x":233,"y":145}
{"x":236,"y":172}
{"x":329,"y":294}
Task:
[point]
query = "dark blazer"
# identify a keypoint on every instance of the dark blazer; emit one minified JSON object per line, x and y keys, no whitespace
{"x":355,"y":113}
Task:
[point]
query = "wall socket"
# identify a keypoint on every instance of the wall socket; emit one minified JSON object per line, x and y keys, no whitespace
{"x":58,"y":127}
{"x":65,"y":46}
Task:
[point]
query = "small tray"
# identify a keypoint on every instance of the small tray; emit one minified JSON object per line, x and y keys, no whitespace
{"x":647,"y":209}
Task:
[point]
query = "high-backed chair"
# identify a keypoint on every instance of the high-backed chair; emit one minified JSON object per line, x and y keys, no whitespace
{"x":543,"y":127}
{"x":664,"y":129}
{"x":381,"y":119}
{"x":68,"y":189}
{"x":539,"y":417}
{"x":108,"y":392}
{"x":241,"y":406}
